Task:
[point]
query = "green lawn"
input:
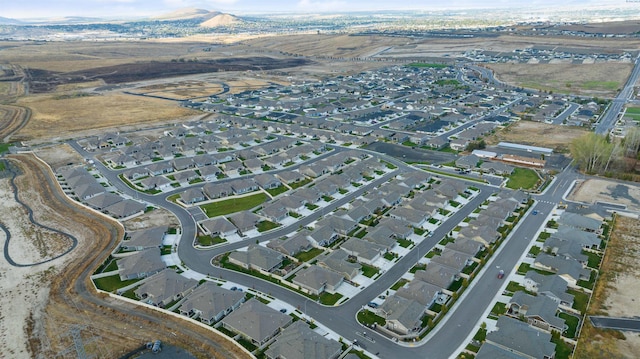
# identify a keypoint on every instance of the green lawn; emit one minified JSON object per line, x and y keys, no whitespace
{"x":368,"y":317}
{"x":514,"y":287}
{"x":210,"y":241}
{"x":276,"y":191}
{"x":300,"y":184}
{"x":580,"y":300}
{"x":399,"y":284}
{"x":404,"y":243}
{"x":594,"y":259}
{"x":310,"y":206}
{"x":309,"y":255}
{"x":563,"y":350}
{"x":524,"y":178}
{"x":111,"y":283}
{"x":330,"y":299}
{"x":369,"y":271}
{"x":499,"y":308}
{"x":264,"y":226}
{"x":572,"y":324}
{"x":233,"y":205}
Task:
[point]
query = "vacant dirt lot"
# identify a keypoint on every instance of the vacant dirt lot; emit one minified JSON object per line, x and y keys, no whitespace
{"x":59,"y":117}
{"x":616,"y":294}
{"x":537,"y":134}
{"x":599,"y":80}
{"x":594,"y":190}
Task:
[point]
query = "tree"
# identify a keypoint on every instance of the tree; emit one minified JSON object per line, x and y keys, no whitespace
{"x":592,"y":152}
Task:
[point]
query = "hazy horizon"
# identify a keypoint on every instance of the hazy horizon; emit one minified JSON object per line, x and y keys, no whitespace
{"x":144,"y":8}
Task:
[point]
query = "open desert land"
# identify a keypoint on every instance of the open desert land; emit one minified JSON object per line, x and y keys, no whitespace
{"x":616,"y":294}
{"x":597,"y":80}
{"x":601,"y":190}
{"x":537,"y":134}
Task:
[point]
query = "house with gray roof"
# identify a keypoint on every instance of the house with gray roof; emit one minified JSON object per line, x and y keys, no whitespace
{"x":144,"y":238}
{"x":400,"y":229}
{"x":417,"y":219}
{"x":217,"y":190}
{"x":103,"y":200}
{"x":539,"y":311}
{"x":209,"y":303}
{"x":497,"y":168}
{"x":210,"y":173}
{"x":587,"y":240}
{"x":402,"y":315}
{"x":256,"y":322}
{"x":257,"y":257}
{"x":580,"y":222}
{"x":267,"y":181}
{"x":359,"y":214}
{"x":317,"y":280}
{"x":160,"y":168}
{"x":245,"y":221}
{"x":192,"y":195}
{"x":242,"y":186}
{"x":522,"y":339}
{"x":338,"y":261}
{"x":338,"y":224}
{"x":453,"y":259}
{"x":468,"y":162}
{"x":182,"y":163}
{"x":159,"y":183}
{"x":275,"y":211}
{"x":566,"y":249}
{"x":185,"y":177}
{"x":365,"y":251}
{"x":324,"y":236}
{"x":125,"y":208}
{"x":438,"y":275}
{"x":290,"y":177}
{"x":383,"y":236}
{"x":551,"y":286}
{"x":136,"y":173}
{"x":465,"y":245}
{"x":423,"y":293}
{"x":450,"y":188}
{"x":299,"y":242}
{"x":492,"y":351}
{"x":484,"y":234}
{"x":140,"y":264}
{"x":218,"y":226}
{"x":568,"y":269}
{"x":298,"y":341}
{"x":164,"y":287}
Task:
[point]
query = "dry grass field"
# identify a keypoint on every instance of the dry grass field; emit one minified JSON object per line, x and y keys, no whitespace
{"x":615,"y":294}
{"x":76,"y":116}
{"x":599,"y":79}
{"x":537,"y":134}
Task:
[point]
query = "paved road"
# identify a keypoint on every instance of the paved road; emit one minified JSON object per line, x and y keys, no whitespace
{"x":609,"y":118}
{"x":625,"y":324}
{"x":409,"y":154}
{"x":566,"y":113}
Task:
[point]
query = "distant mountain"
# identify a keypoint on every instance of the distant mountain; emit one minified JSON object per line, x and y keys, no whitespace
{"x":208,"y":18}
{"x":221,"y":20}
{"x":8,"y":21}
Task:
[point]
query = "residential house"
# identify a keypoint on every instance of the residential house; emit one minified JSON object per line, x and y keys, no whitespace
{"x":245,"y":221}
{"x":165,"y":287}
{"x":298,"y":341}
{"x":341,"y":225}
{"x":566,"y":249}
{"x":182,"y":163}
{"x":290,"y":177}
{"x":275,"y":211}
{"x":400,"y":228}
{"x":324,"y":236}
{"x":468,"y":162}
{"x":415,"y":218}
{"x":217,"y":190}
{"x":159,"y":183}
{"x":438,"y":275}
{"x":144,"y":238}
{"x":192,"y":195}
{"x":551,"y":286}
{"x":582,"y":223}
{"x":209,"y":303}
{"x":103,"y":200}
{"x":293,"y":245}
{"x":364,"y":251}
{"x":496,"y":168}
{"x":218,"y":226}
{"x":338,"y":261}
{"x":486,"y":235}
{"x":140,"y":264}
{"x":210,"y":173}
{"x":587,"y":240}
{"x":568,"y":269}
{"x":453,"y":259}
{"x":539,"y":311}
{"x":257,"y":257}
{"x":316,"y":280}
{"x":256,"y":322}
{"x":423,"y":293}
{"x":402,"y":315}
{"x":125,"y":208}
{"x":242,"y":186}
{"x":519,"y":338}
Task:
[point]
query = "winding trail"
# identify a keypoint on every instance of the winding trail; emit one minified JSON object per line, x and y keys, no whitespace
{"x":7,"y":255}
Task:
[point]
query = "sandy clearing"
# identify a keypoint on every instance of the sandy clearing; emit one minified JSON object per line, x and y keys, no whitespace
{"x":594,"y":190}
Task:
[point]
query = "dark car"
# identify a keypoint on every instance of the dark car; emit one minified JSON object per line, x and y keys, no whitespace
{"x":283,"y":310}
{"x":373,"y":304}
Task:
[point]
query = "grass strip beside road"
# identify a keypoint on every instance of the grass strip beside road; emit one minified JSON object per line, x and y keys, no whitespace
{"x":233,"y":205}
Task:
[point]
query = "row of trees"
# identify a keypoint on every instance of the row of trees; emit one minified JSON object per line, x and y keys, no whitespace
{"x":599,"y":154}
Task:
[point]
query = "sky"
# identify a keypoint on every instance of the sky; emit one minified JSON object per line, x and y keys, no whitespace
{"x":21,"y":9}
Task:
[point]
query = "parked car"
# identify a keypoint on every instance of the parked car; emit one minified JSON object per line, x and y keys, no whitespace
{"x":283,"y":310}
{"x":373,"y":305}
{"x":500,"y":274}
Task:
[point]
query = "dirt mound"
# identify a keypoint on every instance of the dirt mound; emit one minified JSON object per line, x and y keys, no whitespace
{"x":220,"y":20}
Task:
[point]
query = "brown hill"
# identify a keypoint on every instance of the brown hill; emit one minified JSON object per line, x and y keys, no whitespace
{"x":220,"y":20}
{"x":187,"y":13}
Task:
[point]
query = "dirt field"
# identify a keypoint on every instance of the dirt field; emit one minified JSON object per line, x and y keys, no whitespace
{"x":616,"y":294}
{"x":42,"y":305}
{"x":58,"y":118}
{"x":598,"y":80}
{"x":594,"y":190}
{"x":537,"y":134}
